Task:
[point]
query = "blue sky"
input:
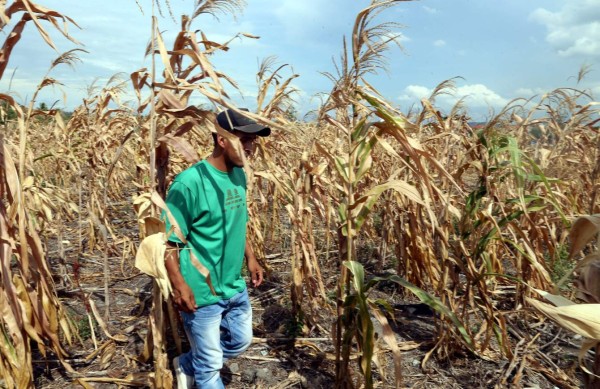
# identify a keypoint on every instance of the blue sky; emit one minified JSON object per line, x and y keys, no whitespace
{"x":501,"y":49}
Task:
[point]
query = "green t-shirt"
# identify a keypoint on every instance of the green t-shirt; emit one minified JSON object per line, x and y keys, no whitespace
{"x":210,"y":208}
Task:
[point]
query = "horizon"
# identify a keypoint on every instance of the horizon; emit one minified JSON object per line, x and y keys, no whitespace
{"x":547,"y":45}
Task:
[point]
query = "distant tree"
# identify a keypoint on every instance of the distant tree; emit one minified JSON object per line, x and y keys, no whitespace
{"x":7,"y":113}
{"x":291,"y":114}
{"x":205,"y":107}
{"x":66,"y":115}
{"x":536,"y":132}
{"x":41,"y":116}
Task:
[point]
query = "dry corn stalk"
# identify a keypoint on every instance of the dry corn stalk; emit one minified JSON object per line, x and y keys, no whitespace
{"x":583,"y":319}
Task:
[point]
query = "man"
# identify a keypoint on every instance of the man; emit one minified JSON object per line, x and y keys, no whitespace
{"x":208,"y":202}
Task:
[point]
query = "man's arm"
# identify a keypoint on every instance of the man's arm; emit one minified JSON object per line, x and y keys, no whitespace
{"x":182,"y":293}
{"x":255,"y":270}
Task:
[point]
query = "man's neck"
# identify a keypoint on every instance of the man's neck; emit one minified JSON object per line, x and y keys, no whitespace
{"x":218,"y":161}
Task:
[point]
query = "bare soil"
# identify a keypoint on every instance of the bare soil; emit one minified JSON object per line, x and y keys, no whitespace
{"x":285,"y":353}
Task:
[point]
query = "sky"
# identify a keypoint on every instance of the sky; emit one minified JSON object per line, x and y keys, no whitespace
{"x":496,"y":50}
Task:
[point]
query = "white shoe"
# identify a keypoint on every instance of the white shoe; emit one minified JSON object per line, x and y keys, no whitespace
{"x":184,"y":381}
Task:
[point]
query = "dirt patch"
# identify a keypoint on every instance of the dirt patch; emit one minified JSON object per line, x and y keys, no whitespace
{"x":285,"y":352}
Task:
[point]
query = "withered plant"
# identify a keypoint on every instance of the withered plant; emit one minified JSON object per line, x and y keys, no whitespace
{"x":471,"y":220}
{"x":31,"y":314}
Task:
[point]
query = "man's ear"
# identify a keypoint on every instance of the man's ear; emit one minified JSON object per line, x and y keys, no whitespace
{"x":221,"y":141}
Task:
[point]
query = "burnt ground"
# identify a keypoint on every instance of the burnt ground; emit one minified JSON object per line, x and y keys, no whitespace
{"x":286,"y":353}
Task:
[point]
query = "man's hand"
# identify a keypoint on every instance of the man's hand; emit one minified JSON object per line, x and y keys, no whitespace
{"x":183,"y":297}
{"x":256,"y":271}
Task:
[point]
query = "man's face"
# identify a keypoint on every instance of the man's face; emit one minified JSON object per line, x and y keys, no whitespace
{"x":248,"y":143}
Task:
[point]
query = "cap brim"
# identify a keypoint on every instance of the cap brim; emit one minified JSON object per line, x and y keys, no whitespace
{"x":257,"y":129}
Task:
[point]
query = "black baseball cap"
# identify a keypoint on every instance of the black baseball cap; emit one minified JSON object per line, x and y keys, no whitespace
{"x":231,"y":120}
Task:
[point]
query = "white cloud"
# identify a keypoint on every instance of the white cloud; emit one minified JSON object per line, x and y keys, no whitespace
{"x":415,"y":92}
{"x":430,"y":10}
{"x":106,"y":64}
{"x":479,"y":95}
{"x":574,"y":30}
{"x":395,"y":37}
{"x":22,"y":91}
{"x":17,"y":86}
{"x":475,"y":95}
{"x":439,"y":43}
{"x":402,"y":38}
{"x":529,"y":92}
{"x":584,"y":46}
{"x":301,"y":20}
{"x":299,"y":10}
{"x":524,"y":92}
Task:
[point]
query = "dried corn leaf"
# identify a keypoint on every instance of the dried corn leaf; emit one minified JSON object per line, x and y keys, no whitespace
{"x":11,"y":175}
{"x":182,"y":146}
{"x":583,"y":319}
{"x":390,"y":339}
{"x":162,"y":49}
{"x":203,"y":270}
{"x":119,"y":337}
{"x":170,"y":101}
{"x":10,"y":42}
{"x":583,"y":230}
{"x":150,"y":259}
{"x":363,"y":205}
{"x":108,"y":353}
{"x":142,"y":205}
{"x":557,"y":300}
{"x":97,"y":351}
{"x":153,"y":225}
{"x":134,"y":379}
{"x":588,"y":283}
{"x":156,"y":199}
{"x":586,"y":346}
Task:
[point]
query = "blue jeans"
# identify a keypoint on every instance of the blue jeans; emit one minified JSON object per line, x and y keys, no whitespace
{"x":216,"y":333}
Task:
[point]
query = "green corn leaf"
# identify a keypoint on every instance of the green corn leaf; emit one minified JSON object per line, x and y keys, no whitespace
{"x":341,"y":163}
{"x":358,"y":273}
{"x":515,"y":158}
{"x":530,"y":258}
{"x":536,"y":208}
{"x":491,"y":234}
{"x":528,"y":199}
{"x":361,"y":156}
{"x":540,"y":178}
{"x":342,"y":167}
{"x":360,"y":130}
{"x":364,"y":204}
{"x":365,"y":331}
{"x":434,"y":303}
{"x":551,"y":198}
{"x":365,"y":164}
{"x":474,"y":200}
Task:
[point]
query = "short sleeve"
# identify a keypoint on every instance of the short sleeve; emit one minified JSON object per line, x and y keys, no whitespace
{"x":180,"y":202}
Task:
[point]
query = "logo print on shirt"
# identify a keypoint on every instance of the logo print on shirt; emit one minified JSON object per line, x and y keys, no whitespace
{"x":233,"y":200}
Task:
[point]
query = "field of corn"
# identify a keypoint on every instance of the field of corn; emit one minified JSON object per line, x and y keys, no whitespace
{"x":366,"y":219}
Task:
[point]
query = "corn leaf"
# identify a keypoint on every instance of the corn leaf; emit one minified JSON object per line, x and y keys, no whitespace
{"x":434,"y":303}
{"x":364,"y":204}
{"x":582,"y":232}
{"x":582,"y":319}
